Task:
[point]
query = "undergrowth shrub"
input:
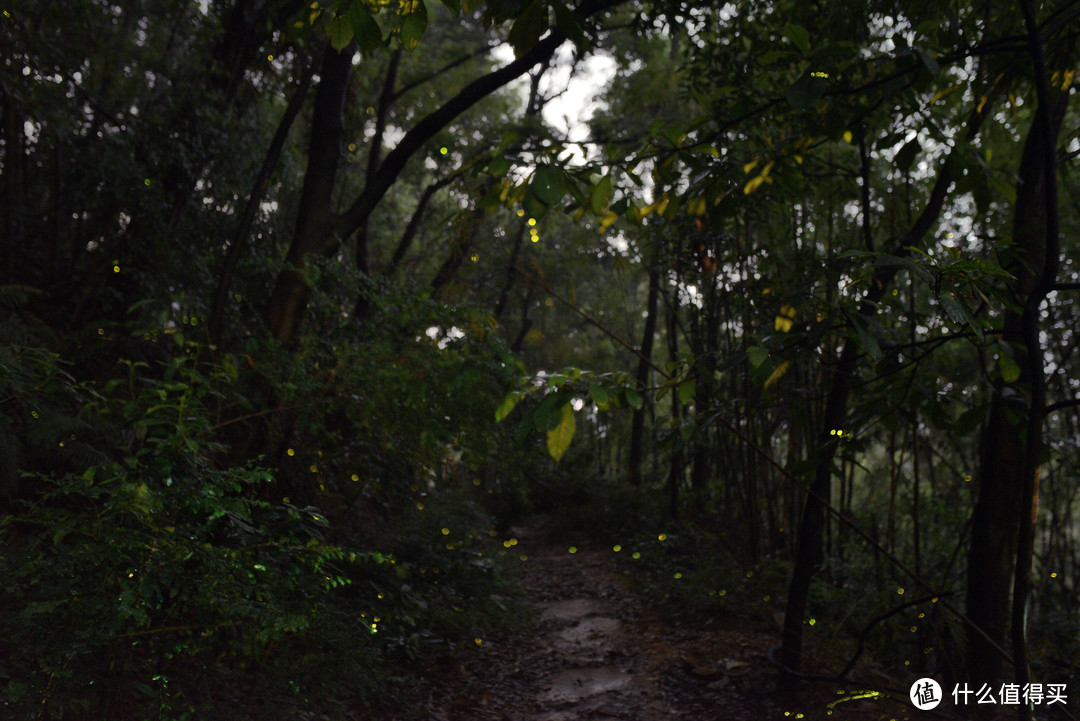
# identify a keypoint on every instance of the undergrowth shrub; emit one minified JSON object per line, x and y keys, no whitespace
{"x":159,"y":565}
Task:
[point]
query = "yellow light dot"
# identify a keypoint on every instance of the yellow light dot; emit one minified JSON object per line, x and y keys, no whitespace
{"x":1053,"y":575}
{"x":506,"y":544}
{"x":449,"y":547}
{"x":521,"y":213}
{"x":269,"y":57}
{"x":446,"y":531}
{"x":933,"y":600}
{"x":532,"y":221}
{"x":147,"y":182}
{"x":476,"y":482}
{"x":290,"y":452}
{"x":419,"y":506}
{"x":313,"y":468}
{"x":474,"y":257}
{"x":723,"y":592}
{"x":524,"y":557}
{"x":101,"y":331}
{"x":131,"y":575}
{"x":116,"y":269}
{"x":766,"y":598}
{"x":536,"y":239}
{"x":900,"y":591}
{"x":967,"y":479}
{"x":635,"y":555}
{"x":478,"y":640}
{"x":616,"y":548}
{"x":442,"y":151}
{"x":380,"y":595}
{"x":352,"y":147}
{"x":922,"y":615}
{"x":573,"y":549}
{"x":662,"y":537}
{"x":285,"y":499}
{"x":812,"y":621}
{"x":678,"y":575}
{"x":513,"y":541}
{"x":355,"y":478}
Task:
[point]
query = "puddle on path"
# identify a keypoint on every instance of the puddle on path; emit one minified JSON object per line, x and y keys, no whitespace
{"x":569,"y":610}
{"x":578,"y":683}
{"x":594,"y":631}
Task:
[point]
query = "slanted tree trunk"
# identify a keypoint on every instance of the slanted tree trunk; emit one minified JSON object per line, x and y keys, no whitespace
{"x":319,"y":231}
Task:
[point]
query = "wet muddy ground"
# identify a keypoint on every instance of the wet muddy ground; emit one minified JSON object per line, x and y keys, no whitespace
{"x":597,"y":652}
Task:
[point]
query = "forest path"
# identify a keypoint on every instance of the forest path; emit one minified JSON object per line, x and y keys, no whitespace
{"x":597,"y":652}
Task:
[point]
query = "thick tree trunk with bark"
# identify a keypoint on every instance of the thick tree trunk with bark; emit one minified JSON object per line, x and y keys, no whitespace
{"x":1012,"y":438}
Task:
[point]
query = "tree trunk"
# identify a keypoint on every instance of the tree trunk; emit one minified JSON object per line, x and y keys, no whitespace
{"x":1012,"y":438}
{"x":637,"y":426}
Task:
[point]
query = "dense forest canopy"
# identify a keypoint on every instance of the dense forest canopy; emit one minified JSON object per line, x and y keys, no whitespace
{"x":305,"y":304}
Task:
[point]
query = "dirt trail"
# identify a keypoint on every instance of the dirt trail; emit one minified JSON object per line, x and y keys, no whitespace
{"x":597,"y":653}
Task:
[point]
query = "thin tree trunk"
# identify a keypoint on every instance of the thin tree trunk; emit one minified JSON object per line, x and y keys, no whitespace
{"x":258,"y":191}
{"x":637,"y":426}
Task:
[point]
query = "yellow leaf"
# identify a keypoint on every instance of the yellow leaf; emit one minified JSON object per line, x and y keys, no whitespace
{"x":505,"y":191}
{"x":662,"y":204}
{"x":579,"y":214}
{"x":1067,"y":79}
{"x":749,"y":166}
{"x":798,"y":159}
{"x":982,"y":102}
{"x":944,"y":93}
{"x":785,"y":319}
{"x":777,"y":374}
{"x":847,"y":136}
{"x":696,"y":206}
{"x":609,"y":217}
{"x":559,"y":437}
{"x":754,"y":184}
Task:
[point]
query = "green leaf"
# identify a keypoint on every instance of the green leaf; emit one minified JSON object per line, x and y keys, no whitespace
{"x":413,"y":25}
{"x":453,"y":6}
{"x":633,"y":399}
{"x":507,"y":405}
{"x":534,"y":207}
{"x":367,"y":31}
{"x":866,"y":339}
{"x":548,"y":185}
{"x":599,"y":395}
{"x":569,"y":22}
{"x":340,"y":31}
{"x":1010,"y":371}
{"x":527,"y":28}
{"x":559,"y":437}
{"x":601,"y":195}
{"x":756,"y":355}
{"x":687,"y":390}
{"x":798,"y":37}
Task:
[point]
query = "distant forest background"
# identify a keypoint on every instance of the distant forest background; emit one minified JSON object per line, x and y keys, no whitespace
{"x":303,"y":304}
